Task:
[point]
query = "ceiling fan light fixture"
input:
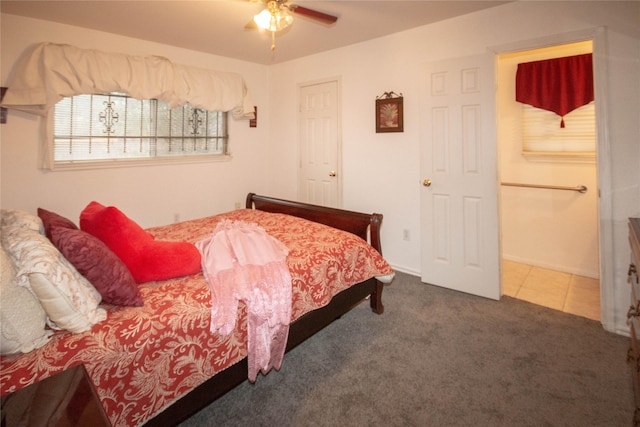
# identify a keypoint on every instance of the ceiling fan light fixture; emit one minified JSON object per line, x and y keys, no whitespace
{"x":273,"y":19}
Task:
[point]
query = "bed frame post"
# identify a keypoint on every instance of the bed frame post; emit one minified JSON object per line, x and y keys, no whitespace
{"x":374,"y":239}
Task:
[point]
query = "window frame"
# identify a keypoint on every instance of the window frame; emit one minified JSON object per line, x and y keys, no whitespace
{"x":151,"y":160}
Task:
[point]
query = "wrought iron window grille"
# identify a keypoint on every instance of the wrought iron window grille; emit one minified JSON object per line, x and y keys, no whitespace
{"x":116,"y":126}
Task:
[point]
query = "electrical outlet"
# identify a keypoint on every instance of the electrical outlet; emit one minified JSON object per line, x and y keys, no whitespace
{"x":238,"y":205}
{"x":406,"y":235}
{"x":176,"y":217}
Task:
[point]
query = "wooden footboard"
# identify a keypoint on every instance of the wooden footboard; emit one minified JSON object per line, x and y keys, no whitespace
{"x":363,"y":225}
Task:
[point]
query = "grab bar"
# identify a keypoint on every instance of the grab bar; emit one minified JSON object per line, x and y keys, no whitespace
{"x":579,"y":188}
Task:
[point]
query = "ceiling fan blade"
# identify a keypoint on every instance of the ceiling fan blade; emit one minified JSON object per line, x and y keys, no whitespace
{"x":313,"y":14}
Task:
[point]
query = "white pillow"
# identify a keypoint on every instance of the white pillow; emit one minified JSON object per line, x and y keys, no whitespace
{"x":22,"y":318}
{"x":69,"y":300}
{"x":18,"y":218}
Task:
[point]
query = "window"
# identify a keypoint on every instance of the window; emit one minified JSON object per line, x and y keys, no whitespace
{"x":558,"y":111}
{"x":116,"y":127}
{"x":542,"y":132}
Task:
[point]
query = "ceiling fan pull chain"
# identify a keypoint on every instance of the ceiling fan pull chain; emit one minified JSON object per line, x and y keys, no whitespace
{"x":273,"y":40}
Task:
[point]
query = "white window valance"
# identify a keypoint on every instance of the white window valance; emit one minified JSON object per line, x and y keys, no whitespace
{"x":51,"y":72}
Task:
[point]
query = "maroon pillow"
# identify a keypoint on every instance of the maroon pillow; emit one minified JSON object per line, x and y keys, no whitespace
{"x":147,"y":259}
{"x":52,"y":219}
{"x":93,"y":259}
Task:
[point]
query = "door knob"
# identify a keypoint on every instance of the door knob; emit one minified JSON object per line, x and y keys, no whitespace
{"x":426,"y":182}
{"x":332,"y":173}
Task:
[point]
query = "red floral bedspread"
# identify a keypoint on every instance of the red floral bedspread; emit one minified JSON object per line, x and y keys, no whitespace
{"x":142,"y":359}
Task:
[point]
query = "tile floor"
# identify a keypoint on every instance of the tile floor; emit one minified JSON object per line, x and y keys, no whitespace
{"x":561,"y":291}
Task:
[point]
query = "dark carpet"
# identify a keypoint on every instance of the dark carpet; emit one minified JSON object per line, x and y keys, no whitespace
{"x":441,"y":358}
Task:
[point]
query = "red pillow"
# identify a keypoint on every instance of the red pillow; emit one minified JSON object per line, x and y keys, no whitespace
{"x":147,"y":259}
{"x":52,"y":219}
{"x":93,"y":259}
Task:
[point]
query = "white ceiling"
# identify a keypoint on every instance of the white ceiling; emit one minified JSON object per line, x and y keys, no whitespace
{"x":218,"y":26}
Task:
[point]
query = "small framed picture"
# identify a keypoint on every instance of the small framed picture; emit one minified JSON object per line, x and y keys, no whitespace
{"x":389,"y":117}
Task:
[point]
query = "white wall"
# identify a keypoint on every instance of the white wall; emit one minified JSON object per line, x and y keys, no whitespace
{"x":546,"y":228}
{"x":381,"y":171}
{"x":152,"y":195}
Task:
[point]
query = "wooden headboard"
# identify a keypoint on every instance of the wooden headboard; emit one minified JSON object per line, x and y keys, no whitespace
{"x":366,"y":226}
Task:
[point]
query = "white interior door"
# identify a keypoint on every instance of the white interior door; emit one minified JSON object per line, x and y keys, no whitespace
{"x":319,"y":144}
{"x":460,"y":235}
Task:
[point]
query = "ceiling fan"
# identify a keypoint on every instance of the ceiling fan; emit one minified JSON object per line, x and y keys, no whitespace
{"x":278,"y":15}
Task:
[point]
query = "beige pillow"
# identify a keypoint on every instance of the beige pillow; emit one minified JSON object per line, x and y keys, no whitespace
{"x":18,"y":218}
{"x":69,"y":300}
{"x":22,"y":318}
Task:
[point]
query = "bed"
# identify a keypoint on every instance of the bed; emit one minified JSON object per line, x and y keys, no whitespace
{"x":158,"y":363}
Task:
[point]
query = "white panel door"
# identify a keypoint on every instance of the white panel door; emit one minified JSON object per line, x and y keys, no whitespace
{"x":459,"y":216}
{"x":319,"y":141}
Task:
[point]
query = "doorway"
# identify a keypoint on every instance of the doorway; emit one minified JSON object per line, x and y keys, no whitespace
{"x":320,"y":180}
{"x":550,"y":240}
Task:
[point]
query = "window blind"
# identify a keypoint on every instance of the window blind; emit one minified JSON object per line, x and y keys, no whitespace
{"x":116,"y":126}
{"x":541,"y":133}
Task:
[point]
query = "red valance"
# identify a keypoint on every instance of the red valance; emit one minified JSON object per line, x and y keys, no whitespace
{"x":560,"y":85}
